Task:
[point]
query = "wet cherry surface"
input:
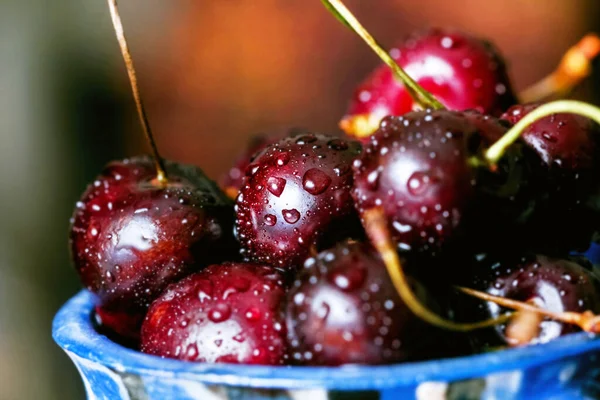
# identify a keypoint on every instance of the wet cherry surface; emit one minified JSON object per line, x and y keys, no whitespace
{"x":418,"y":168}
{"x":343,"y":309}
{"x":229,"y":313}
{"x":296,"y":195}
{"x":552,"y":283}
{"x":461,"y":71}
{"x":567,"y":168}
{"x":131,"y":237}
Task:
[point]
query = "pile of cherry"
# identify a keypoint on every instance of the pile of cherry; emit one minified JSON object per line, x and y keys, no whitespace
{"x":299,"y":269}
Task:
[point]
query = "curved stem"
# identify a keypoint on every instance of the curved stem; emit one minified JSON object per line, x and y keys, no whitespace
{"x":587,"y":321}
{"x":420,"y":95}
{"x":575,"y":66}
{"x":497,"y":150}
{"x":161,"y":175}
{"x":376,"y":227}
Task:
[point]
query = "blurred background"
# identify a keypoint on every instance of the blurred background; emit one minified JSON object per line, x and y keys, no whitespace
{"x":212,"y":72}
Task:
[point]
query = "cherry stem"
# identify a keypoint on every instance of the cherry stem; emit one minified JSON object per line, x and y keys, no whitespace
{"x":417,"y":92}
{"x":497,"y":150}
{"x":574,"y":67}
{"x":161,"y":175}
{"x":587,"y":321}
{"x":376,"y":227}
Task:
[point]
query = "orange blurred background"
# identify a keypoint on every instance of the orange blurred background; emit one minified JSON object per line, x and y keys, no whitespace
{"x":212,"y":72}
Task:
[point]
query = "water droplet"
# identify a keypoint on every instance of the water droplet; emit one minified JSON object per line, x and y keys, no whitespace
{"x":270,"y":219}
{"x":276,"y":185}
{"x":548,"y":137}
{"x":373,"y":179}
{"x":364,"y":96}
{"x":315,"y":181}
{"x":341,"y":169}
{"x":306,"y":139}
{"x":349,"y":279}
{"x":418,"y":183}
{"x":110,"y":277}
{"x":402,"y":228}
{"x":253,"y":314}
{"x":291,"y":216}
{"x":447,"y":42}
{"x":337,"y":144}
{"x":282,"y":159}
{"x":219,"y":313}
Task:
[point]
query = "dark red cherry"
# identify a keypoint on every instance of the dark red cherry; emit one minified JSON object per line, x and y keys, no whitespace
{"x":229,"y":313}
{"x":343,"y":309}
{"x":232,"y":182}
{"x":296,"y":195}
{"x":423,"y":169}
{"x":554,"y":284}
{"x":131,"y":237}
{"x":568,"y":164}
{"x":567,"y":144}
{"x":461,"y":71}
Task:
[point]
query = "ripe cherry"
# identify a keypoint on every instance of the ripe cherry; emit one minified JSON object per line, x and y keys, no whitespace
{"x":343,"y":309}
{"x":568,"y":164}
{"x":132,"y":236}
{"x":229,"y":313}
{"x":423,"y":169}
{"x":296,"y":195}
{"x":461,"y":71}
{"x":554,"y":284}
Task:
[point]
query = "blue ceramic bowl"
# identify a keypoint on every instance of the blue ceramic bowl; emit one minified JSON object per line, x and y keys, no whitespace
{"x":567,"y":368}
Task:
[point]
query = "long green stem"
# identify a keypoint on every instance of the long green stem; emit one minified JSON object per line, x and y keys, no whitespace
{"x":420,"y":95}
{"x":376,"y":227}
{"x":497,"y":150}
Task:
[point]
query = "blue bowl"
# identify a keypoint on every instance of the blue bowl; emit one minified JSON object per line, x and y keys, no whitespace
{"x":567,"y":368}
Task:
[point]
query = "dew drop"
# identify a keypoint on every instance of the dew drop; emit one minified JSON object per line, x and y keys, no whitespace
{"x":418,"y":183}
{"x":373,"y":179}
{"x":315,"y":181}
{"x":306,"y":139}
{"x":276,"y":185}
{"x":282,"y":159}
{"x":270,"y":220}
{"x":219,"y":313}
{"x":253,"y":314}
{"x":291,"y":216}
{"x":337,"y":144}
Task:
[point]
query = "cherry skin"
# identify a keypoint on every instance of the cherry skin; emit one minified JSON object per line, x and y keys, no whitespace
{"x":461,"y":71}
{"x":568,"y":163}
{"x":551,"y":283}
{"x":131,"y":237}
{"x":228,"y":313}
{"x":296,"y":195}
{"x":419,"y":169}
{"x":344,"y":309}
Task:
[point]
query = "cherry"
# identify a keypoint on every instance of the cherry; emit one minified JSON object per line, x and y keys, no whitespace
{"x":565,"y":143}
{"x":554,"y":284}
{"x":143,"y":224}
{"x":229,"y":313}
{"x":568,"y":164}
{"x":343,"y":309}
{"x":131,"y":237}
{"x":423,"y":170}
{"x":461,"y":71}
{"x":296,"y":195}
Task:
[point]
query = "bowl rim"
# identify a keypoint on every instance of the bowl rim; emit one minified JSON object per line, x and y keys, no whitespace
{"x":73,"y":331}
